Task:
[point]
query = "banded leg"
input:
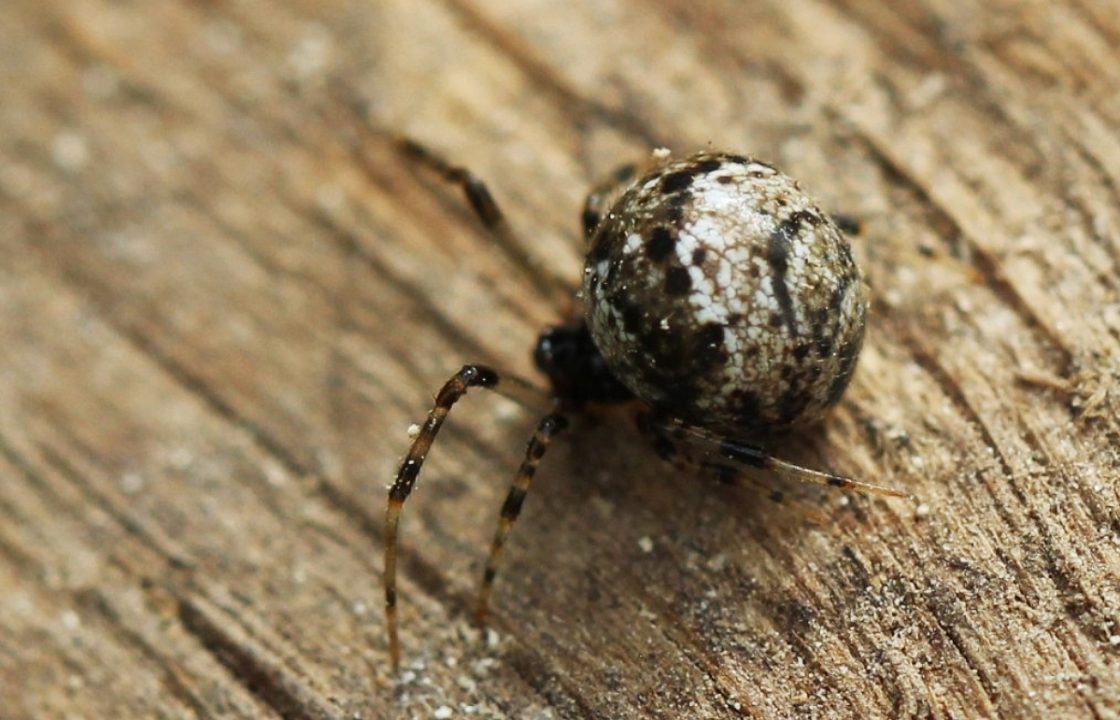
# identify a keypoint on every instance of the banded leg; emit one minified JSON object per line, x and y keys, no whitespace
{"x":511,"y":508}
{"x":804,"y":507}
{"x":469,"y":376}
{"x":482,"y":202}
{"x":602,"y":194}
{"x":850,"y":224}
{"x":737,"y":453}
{"x":677,"y":450}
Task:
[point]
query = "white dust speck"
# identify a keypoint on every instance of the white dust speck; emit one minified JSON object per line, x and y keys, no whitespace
{"x":330,"y":198}
{"x":507,"y":412}
{"x":274,"y":475}
{"x":717,"y":562}
{"x":646,"y":544}
{"x":131,"y":483}
{"x":70,"y":620}
{"x":311,"y":54}
{"x":180,"y":458}
{"x":928,"y":90}
{"x":442,"y":713}
{"x":413,"y":430}
{"x":482,"y":667}
{"x":70,"y":151}
{"x":922,"y":510}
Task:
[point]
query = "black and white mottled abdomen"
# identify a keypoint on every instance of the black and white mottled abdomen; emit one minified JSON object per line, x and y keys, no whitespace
{"x":719,"y":293}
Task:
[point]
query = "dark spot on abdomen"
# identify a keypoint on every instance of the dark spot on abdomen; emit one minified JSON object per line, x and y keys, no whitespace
{"x":677,"y":281}
{"x":673,"y":182}
{"x":661,"y":244}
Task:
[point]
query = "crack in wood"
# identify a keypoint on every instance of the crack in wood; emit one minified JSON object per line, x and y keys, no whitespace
{"x":255,"y":667}
{"x":981,"y":257}
{"x":569,"y":102}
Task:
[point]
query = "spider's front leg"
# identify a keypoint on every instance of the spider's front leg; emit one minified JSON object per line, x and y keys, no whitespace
{"x":488,"y":213}
{"x":469,"y":376}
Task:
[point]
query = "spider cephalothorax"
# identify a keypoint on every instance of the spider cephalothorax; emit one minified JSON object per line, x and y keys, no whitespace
{"x":579,"y":374}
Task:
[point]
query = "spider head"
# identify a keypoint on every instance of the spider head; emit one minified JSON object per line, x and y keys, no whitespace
{"x":576,"y":369}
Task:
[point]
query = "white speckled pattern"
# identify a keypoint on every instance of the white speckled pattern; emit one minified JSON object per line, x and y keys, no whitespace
{"x":719,"y":293}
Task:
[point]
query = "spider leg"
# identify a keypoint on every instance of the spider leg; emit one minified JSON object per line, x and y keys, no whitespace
{"x":607,"y":191}
{"x":549,"y":425}
{"x":602,"y":194}
{"x":676,"y":449}
{"x":803,"y":506}
{"x":469,"y":376}
{"x":482,"y":202}
{"x":745,"y":455}
{"x":850,"y":224}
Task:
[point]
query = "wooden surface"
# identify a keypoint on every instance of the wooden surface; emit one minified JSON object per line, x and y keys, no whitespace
{"x":224,"y":298}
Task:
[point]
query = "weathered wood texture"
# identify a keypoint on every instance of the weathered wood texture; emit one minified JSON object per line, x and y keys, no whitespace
{"x":223,"y":299}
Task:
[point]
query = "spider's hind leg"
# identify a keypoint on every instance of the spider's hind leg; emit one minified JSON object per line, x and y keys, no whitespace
{"x":674,"y":447}
{"x":737,"y":455}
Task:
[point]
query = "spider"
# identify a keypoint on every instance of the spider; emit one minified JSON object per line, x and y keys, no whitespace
{"x":717,"y":300}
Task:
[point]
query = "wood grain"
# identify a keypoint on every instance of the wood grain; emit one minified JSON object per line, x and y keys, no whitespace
{"x":224,"y":297}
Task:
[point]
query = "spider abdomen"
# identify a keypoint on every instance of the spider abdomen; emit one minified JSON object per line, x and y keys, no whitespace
{"x":719,"y":293}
